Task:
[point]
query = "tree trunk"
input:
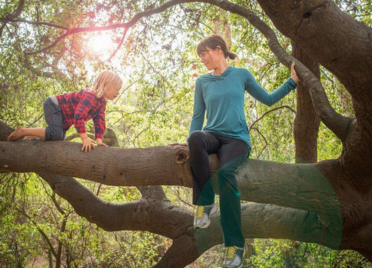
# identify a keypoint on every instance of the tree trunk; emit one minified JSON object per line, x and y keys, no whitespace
{"x":306,"y":123}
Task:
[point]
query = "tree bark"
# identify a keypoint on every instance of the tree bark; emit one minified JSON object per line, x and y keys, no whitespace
{"x":306,"y":123}
{"x":294,"y":183}
{"x":327,"y":203}
{"x":342,"y":45}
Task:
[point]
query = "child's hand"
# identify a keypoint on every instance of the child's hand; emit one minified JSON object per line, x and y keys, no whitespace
{"x":100,"y":143}
{"x":87,"y":144}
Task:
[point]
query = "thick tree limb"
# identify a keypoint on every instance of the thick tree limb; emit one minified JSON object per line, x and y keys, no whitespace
{"x":299,"y":186}
{"x":162,"y":217}
{"x":329,"y":35}
{"x":296,"y":186}
{"x":339,"y":43}
{"x":306,"y":123}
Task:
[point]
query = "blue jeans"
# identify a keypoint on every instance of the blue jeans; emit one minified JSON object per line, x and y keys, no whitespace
{"x":54,"y":118}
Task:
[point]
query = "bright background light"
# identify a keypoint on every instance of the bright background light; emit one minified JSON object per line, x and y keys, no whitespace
{"x":102,"y":44}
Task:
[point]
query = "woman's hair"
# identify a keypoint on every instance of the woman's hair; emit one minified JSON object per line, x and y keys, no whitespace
{"x":213,"y":41}
{"x":105,"y":80}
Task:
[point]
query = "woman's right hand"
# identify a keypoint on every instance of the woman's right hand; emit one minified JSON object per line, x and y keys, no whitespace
{"x":174,"y":144}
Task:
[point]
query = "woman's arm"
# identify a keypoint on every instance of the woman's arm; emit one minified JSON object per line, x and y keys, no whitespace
{"x":260,"y":94}
{"x":198,"y":114}
{"x":199,"y":109}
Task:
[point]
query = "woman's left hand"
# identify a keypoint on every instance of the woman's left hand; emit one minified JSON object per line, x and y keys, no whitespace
{"x":294,"y":74}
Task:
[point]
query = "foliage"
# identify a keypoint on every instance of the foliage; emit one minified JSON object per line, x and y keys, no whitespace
{"x":159,"y":65}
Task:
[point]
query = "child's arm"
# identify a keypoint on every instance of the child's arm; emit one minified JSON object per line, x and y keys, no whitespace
{"x":100,"y":126}
{"x":82,"y":109}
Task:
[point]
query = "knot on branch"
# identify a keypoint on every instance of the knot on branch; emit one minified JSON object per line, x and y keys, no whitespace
{"x":182,"y":156}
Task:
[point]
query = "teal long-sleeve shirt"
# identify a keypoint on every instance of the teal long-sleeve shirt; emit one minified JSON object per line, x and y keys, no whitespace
{"x":222,"y":97}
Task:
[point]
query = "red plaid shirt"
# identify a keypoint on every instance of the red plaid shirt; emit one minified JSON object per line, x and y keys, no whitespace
{"x":78,"y":107}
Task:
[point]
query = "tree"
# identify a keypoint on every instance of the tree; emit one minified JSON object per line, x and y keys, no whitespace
{"x":324,"y":202}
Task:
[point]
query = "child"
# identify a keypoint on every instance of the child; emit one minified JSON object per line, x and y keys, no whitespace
{"x":62,"y":111}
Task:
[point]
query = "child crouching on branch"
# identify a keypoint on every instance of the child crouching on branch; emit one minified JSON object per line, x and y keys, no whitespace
{"x":62,"y":111}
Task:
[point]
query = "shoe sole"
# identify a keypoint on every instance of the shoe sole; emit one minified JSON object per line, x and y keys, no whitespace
{"x":235,"y":266}
{"x":214,"y":209}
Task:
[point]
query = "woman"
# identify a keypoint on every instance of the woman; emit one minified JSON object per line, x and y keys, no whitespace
{"x":221,"y":94}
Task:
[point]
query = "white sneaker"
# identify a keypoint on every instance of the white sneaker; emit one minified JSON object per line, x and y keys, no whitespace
{"x":233,"y":257}
{"x":202,"y":216}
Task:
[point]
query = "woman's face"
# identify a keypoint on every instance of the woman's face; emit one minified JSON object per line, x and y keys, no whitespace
{"x":211,"y":58}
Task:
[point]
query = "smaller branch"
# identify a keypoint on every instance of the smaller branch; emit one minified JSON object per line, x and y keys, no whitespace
{"x":41,"y":73}
{"x":179,"y":197}
{"x":40,"y":231}
{"x":53,"y":197}
{"x":152,"y":192}
{"x":120,"y":44}
{"x":2,"y":28}
{"x":13,"y":15}
{"x":284,"y":106}
{"x":259,"y":132}
{"x":77,"y":135}
{"x":37,"y":119}
{"x":124,"y":90}
{"x":18,"y":11}
{"x":99,"y":189}
{"x":59,"y":38}
{"x":60,"y":244}
{"x":36,"y":23}
{"x":126,"y":26}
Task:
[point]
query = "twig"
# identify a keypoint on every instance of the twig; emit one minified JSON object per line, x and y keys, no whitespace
{"x":284,"y":106}
{"x":36,"y":23}
{"x":259,"y":132}
{"x":120,"y":44}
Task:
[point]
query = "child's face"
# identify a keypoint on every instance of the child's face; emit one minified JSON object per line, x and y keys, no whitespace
{"x":111,"y":93}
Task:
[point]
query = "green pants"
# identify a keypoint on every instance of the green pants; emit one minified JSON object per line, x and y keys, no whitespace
{"x":231,"y":153}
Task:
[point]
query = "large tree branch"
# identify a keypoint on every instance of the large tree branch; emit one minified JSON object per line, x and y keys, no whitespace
{"x":299,"y":186}
{"x":345,"y":51}
{"x":315,"y":26}
{"x":162,"y":217}
{"x":306,"y":123}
